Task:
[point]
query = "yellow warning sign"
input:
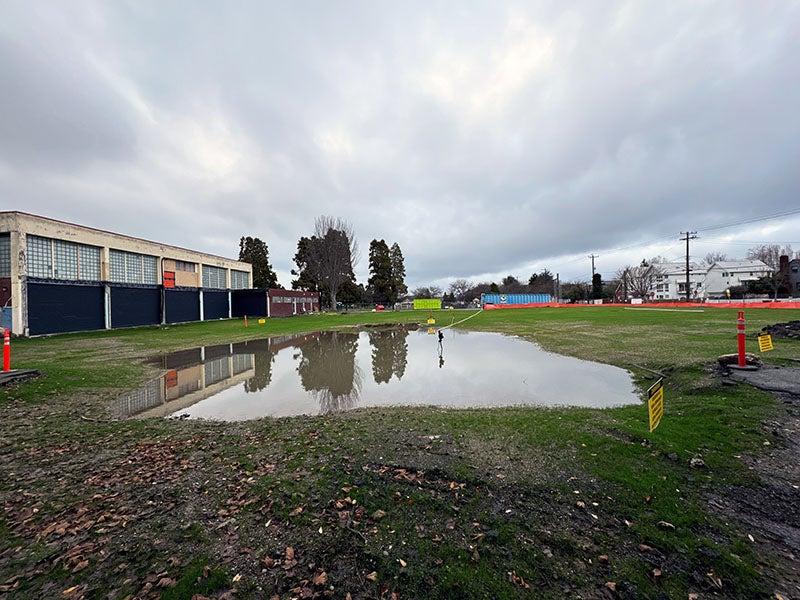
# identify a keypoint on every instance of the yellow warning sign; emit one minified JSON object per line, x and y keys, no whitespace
{"x":765,"y":343}
{"x":655,"y":403}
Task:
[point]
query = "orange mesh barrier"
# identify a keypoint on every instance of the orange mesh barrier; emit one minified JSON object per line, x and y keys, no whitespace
{"x":731,"y":304}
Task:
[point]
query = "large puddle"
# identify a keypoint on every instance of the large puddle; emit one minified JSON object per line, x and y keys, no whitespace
{"x":331,"y":371}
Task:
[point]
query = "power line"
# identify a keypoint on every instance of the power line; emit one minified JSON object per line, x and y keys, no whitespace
{"x":786,"y":213}
{"x":718,"y":241}
{"x":746,"y":221}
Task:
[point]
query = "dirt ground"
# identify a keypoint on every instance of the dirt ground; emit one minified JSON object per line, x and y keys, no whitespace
{"x":771,"y":511}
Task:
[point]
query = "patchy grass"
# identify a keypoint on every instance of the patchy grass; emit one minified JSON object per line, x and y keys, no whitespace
{"x":197,"y":578}
{"x":501,"y":503}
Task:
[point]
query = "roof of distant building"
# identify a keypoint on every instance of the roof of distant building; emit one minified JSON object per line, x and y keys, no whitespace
{"x":739,"y":264}
{"x":671,"y":268}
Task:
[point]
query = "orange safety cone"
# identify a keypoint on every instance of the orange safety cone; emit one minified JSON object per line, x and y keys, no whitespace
{"x":6,"y":350}
{"x":741,"y":339}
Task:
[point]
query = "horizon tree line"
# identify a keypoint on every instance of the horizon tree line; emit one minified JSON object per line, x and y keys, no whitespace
{"x":326,"y":259}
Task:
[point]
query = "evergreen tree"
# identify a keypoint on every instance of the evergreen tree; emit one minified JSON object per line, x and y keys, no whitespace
{"x":597,"y":286}
{"x":399,"y":287}
{"x":380,"y":268}
{"x":541,"y":283}
{"x":254,"y":251}
{"x":305,"y":281}
{"x":493,"y":288}
{"x":352,"y":293}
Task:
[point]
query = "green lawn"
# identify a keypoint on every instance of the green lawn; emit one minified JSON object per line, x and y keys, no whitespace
{"x":501,"y":503}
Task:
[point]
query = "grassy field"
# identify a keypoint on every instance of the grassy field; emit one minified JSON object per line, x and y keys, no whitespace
{"x":501,"y":503}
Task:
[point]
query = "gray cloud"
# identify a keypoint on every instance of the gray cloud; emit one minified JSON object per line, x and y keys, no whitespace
{"x":484,"y":140}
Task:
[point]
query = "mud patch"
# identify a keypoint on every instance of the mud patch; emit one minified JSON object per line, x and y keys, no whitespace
{"x":783,"y":330}
{"x":769,"y":511}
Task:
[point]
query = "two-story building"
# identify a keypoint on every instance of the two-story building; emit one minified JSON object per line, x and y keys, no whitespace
{"x":706,"y":281}
{"x":723,"y":275}
{"x":670,"y":283}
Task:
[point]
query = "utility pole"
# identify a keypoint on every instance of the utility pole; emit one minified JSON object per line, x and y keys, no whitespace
{"x":593,"y":256}
{"x":688,"y":235}
{"x":558,"y":289}
{"x":625,"y":285}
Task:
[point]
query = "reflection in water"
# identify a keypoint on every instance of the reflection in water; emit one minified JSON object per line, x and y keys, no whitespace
{"x":323,"y":372}
{"x":328,"y":370}
{"x":389,"y":353}
{"x":263,"y":356}
{"x":187,"y":381}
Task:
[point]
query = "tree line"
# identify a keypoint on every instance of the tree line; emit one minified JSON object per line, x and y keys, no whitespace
{"x":633,"y":280}
{"x":325,"y":263}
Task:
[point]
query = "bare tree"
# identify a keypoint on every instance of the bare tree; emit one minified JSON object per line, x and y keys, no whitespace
{"x":427,"y":291}
{"x":639,"y":280}
{"x":770,"y":255}
{"x":332,"y":254}
{"x":459,"y":288}
{"x":713,"y":257}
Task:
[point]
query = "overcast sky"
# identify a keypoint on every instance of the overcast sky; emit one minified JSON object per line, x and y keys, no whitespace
{"x":486,"y":139}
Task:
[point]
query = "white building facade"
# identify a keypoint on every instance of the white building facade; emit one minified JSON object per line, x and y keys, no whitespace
{"x":705,"y":281}
{"x":723,"y":275}
{"x":671,"y":283}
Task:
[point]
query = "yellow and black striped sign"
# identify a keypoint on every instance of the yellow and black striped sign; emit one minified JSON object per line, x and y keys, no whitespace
{"x":765,"y":343}
{"x":655,"y":403}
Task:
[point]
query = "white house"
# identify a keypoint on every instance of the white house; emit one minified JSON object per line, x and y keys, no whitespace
{"x":705,"y":281}
{"x":724,"y":275}
{"x":670,"y":284}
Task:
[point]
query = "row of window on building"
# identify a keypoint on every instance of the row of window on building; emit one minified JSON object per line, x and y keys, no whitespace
{"x":62,"y":260}
{"x":290,"y":299}
{"x":58,"y":259}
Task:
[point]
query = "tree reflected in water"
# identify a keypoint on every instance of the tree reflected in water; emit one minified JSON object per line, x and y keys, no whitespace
{"x":263,"y":357}
{"x":389,"y":353}
{"x":328,"y":370}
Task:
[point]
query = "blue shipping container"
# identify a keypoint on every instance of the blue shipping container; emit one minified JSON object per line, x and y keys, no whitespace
{"x":514,"y":298}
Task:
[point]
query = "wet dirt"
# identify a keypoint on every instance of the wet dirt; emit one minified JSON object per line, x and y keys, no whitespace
{"x":770,"y":510}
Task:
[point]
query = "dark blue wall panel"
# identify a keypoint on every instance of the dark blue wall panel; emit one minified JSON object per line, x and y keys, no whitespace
{"x":132,"y":306}
{"x":252,"y":303}
{"x":182,"y":305}
{"x":59,"y":307}
{"x":215,"y":305}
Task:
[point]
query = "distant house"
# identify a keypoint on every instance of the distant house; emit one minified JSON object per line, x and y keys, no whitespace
{"x":670,"y":284}
{"x":724,"y":275}
{"x":794,"y":278}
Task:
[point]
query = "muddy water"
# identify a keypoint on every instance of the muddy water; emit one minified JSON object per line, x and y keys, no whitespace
{"x":331,"y":371}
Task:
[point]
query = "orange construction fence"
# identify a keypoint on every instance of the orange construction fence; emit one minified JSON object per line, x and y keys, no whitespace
{"x":731,"y":304}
